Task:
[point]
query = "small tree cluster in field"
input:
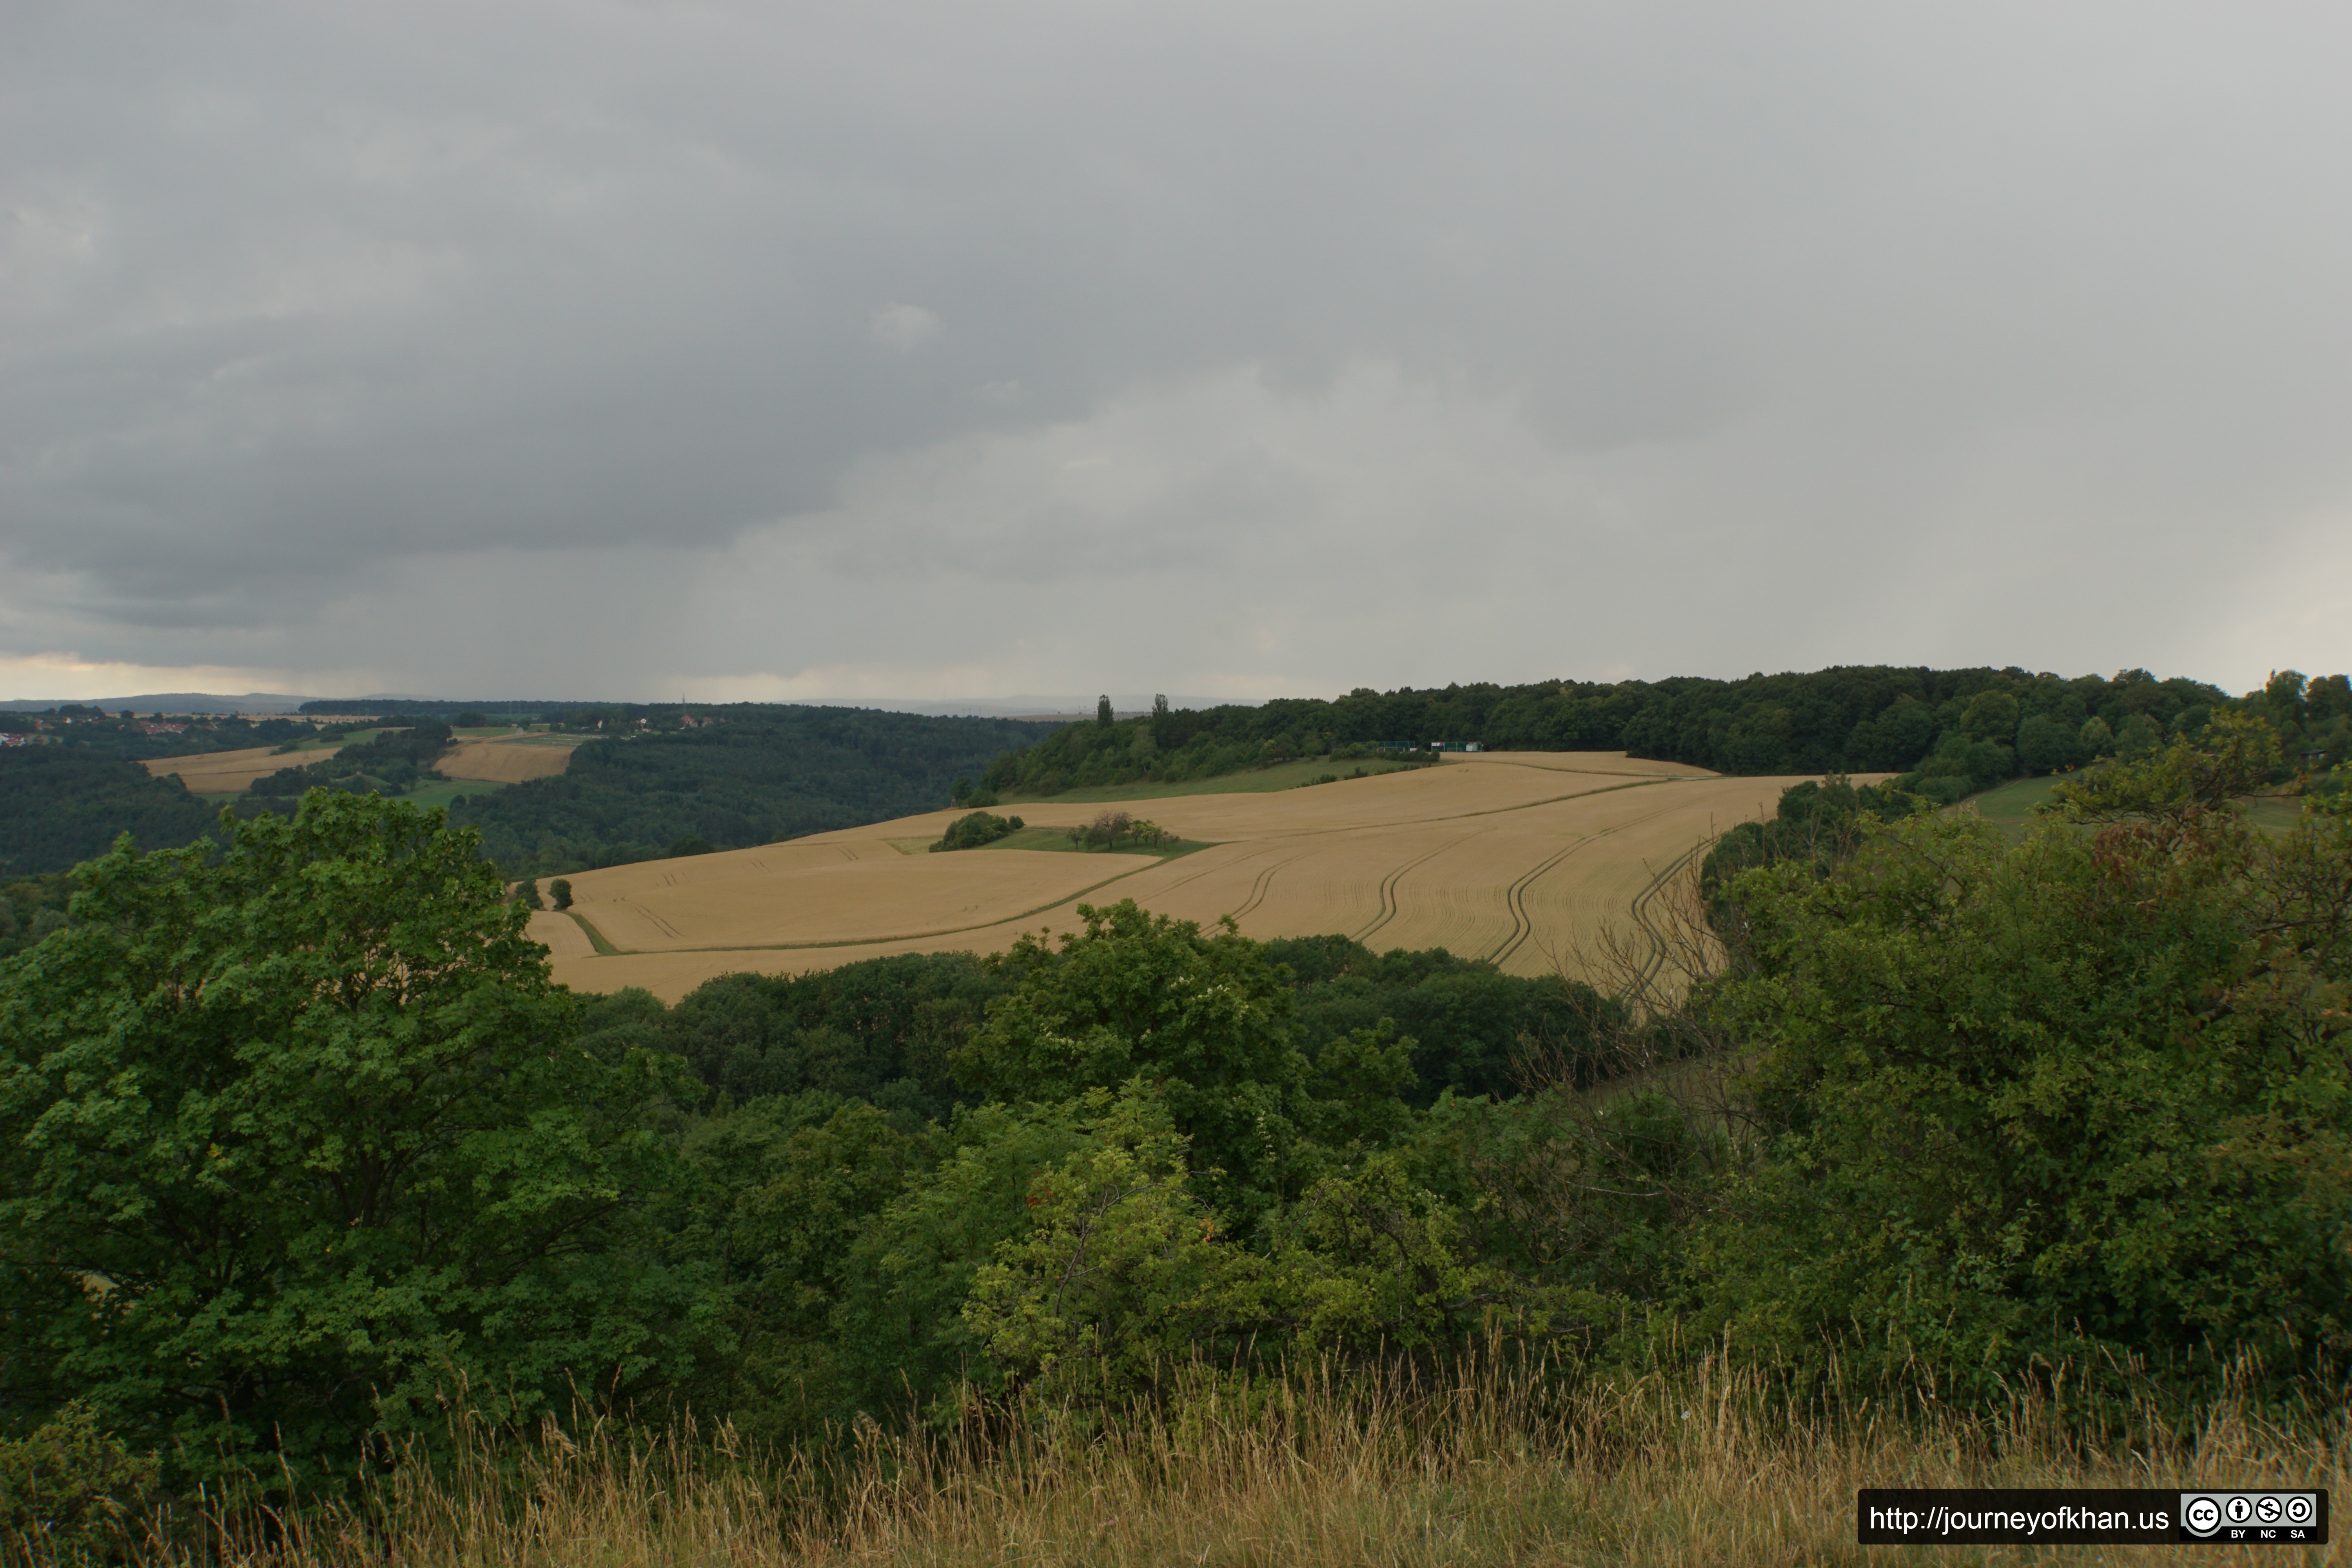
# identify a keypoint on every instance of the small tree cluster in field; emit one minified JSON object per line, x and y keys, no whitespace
{"x":527,"y":894}
{"x":976,"y":830}
{"x":1108,"y":828}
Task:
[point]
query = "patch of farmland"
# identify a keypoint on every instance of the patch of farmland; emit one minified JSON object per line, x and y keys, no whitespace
{"x":562,"y":935}
{"x":228,"y":773}
{"x":811,"y":893}
{"x":1515,"y":857}
{"x":505,"y":762}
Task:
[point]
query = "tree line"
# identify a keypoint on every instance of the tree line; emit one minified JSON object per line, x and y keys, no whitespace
{"x":1937,"y":725}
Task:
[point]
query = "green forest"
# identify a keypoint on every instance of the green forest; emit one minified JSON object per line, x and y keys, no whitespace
{"x":300,"y":1138}
{"x":649,"y":782}
{"x":67,"y":794}
{"x":737,"y":777}
{"x":1956,"y":730}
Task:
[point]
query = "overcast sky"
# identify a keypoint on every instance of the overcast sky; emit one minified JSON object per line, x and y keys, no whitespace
{"x":1239,"y":350}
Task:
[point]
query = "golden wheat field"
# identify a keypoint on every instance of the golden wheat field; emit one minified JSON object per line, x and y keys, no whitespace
{"x":228,"y":773}
{"x":1516,"y":856}
{"x":563,"y":936}
{"x":505,"y":762}
{"x":488,"y":762}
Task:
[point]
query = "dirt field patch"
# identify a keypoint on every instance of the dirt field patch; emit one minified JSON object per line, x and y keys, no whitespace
{"x":1514,"y":856}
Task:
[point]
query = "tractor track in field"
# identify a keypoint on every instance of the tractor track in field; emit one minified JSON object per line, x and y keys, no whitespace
{"x":1389,"y":883}
{"x":655,"y":920}
{"x":1264,"y":880}
{"x":1514,"y":896}
{"x":1642,"y":918}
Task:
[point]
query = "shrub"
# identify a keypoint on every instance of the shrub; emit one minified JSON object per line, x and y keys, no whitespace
{"x":78,"y":1491}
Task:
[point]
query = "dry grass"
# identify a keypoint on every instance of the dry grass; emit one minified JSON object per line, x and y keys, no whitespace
{"x":1513,"y":856}
{"x":1691,"y":1468}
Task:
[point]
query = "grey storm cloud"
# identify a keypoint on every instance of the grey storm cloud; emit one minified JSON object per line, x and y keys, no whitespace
{"x":1832,"y":332}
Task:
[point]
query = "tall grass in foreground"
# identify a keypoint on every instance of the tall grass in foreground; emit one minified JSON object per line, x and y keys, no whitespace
{"x":1700,"y":1466}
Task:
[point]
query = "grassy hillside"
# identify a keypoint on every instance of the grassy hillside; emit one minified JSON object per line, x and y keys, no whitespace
{"x":2012,"y":807}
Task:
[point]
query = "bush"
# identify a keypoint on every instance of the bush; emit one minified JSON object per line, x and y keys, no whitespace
{"x":78,"y":1491}
{"x":559,"y":890}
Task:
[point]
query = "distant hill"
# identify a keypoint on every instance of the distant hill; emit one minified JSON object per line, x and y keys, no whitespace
{"x":166,"y":702}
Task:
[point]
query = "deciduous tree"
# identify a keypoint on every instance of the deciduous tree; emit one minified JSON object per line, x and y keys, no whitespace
{"x":293,"y":1136}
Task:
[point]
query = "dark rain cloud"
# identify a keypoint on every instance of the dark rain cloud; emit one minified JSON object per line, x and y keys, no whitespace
{"x":325,"y":331}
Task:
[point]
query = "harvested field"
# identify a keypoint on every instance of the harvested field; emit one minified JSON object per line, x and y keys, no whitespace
{"x":228,"y":773}
{"x":1512,"y":857}
{"x":506,"y":761}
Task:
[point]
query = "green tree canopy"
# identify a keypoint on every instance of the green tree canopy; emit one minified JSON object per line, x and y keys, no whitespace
{"x":2087,"y":1097}
{"x":1137,"y":992}
{"x":293,"y":1134}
